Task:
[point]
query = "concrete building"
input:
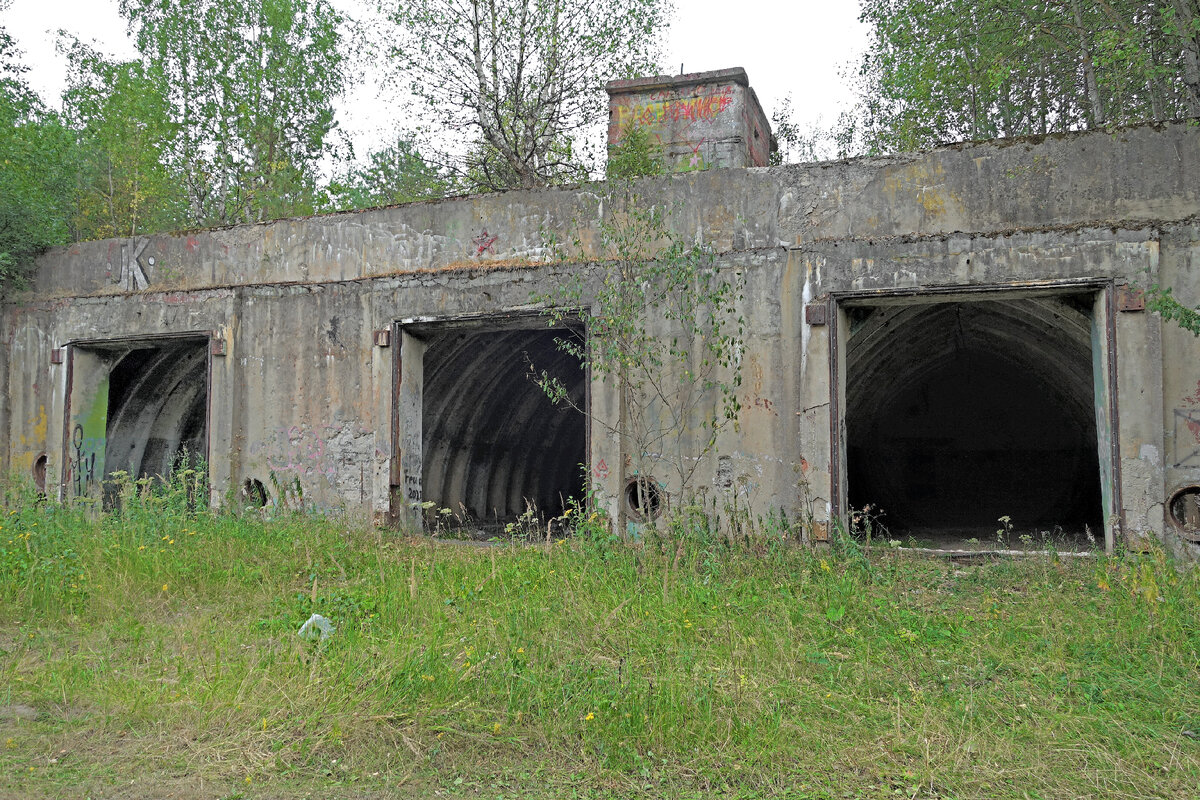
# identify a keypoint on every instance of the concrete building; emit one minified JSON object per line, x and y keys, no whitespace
{"x":953,"y":336}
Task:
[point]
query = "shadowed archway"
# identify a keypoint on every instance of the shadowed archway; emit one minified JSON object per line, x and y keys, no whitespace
{"x":960,"y":413}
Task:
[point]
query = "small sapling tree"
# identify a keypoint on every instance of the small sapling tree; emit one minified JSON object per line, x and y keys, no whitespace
{"x":664,"y":331}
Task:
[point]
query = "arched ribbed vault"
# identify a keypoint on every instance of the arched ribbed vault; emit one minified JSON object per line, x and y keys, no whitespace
{"x":157,"y":407}
{"x":958,"y":413}
{"x":491,"y":438}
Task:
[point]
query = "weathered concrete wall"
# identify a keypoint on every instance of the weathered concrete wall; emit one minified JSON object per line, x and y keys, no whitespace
{"x":300,"y":386}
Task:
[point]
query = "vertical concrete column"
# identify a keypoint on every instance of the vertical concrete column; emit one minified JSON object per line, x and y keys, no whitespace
{"x":384,"y":350}
{"x":606,"y":468}
{"x":222,"y":450}
{"x":86,"y":424}
{"x":1140,"y":434}
{"x":820,"y":375}
{"x":408,"y":436}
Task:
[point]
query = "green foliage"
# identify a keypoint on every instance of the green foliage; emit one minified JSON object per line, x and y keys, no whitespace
{"x":584,"y":668}
{"x":37,"y":173}
{"x":395,"y":174}
{"x":524,"y":75}
{"x":250,"y":86}
{"x":664,"y":329}
{"x":124,"y":123}
{"x":636,"y":155}
{"x":1164,"y":302}
{"x":949,"y":70}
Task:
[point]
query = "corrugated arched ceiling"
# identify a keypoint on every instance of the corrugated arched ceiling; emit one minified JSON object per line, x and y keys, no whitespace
{"x":492,"y":440}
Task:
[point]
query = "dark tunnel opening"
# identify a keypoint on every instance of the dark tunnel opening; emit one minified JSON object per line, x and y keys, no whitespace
{"x":958,"y":414}
{"x":157,"y":408}
{"x":493,"y":443}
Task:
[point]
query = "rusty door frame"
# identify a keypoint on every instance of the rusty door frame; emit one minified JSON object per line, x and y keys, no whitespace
{"x":114,"y":342}
{"x":503,"y":320}
{"x":836,"y":301}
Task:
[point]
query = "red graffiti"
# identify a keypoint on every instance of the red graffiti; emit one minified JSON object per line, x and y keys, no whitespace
{"x":688,"y":109}
{"x":1194,"y":427}
{"x":601,"y":470}
{"x":1194,"y":398}
{"x":484,"y":242}
{"x":765,"y":404}
{"x":192,"y":243}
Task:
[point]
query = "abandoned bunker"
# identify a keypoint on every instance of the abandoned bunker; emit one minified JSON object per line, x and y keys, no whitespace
{"x":946,"y":338}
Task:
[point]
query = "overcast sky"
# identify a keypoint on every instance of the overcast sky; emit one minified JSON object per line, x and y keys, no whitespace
{"x":799,"y":48}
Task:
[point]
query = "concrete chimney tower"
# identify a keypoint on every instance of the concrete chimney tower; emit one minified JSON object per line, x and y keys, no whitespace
{"x":702,"y":120}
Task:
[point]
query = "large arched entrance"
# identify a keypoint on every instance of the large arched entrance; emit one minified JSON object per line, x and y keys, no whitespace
{"x":487,"y":442}
{"x":960,"y":413}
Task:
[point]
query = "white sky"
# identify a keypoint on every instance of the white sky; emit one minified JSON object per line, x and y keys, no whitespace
{"x":798,"y":48}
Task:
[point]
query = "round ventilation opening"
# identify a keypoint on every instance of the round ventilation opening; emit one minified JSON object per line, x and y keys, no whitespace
{"x":1184,"y":509}
{"x":39,"y":473}
{"x":643,"y":498}
{"x":254,"y":494}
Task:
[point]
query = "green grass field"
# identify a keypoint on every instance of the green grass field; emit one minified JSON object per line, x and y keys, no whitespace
{"x":153,"y":653}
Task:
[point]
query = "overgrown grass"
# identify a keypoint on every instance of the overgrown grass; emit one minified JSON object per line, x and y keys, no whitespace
{"x":158,"y":650}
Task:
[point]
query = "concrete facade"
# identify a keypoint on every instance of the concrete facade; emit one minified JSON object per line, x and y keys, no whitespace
{"x":350,"y":358}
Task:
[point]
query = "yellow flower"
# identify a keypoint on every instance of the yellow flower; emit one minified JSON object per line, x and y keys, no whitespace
{"x":143,"y":547}
{"x":824,"y":565}
{"x":496,"y":728}
{"x":164,"y":587}
{"x":589,"y":717}
{"x":520,"y":649}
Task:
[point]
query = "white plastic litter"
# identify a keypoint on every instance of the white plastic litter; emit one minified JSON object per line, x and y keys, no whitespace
{"x":316,"y":627}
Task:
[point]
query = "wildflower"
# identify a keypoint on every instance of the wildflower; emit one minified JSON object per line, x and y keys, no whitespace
{"x":427,"y":677}
{"x":172,"y":541}
{"x":143,"y":547}
{"x":824,"y":565}
{"x":496,"y":728}
{"x":589,"y":717}
{"x":10,"y":743}
{"x":520,"y":650}
{"x":164,"y":587}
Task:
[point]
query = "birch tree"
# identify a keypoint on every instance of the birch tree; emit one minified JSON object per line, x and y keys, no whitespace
{"x":518,"y":79}
{"x":251,"y":85}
